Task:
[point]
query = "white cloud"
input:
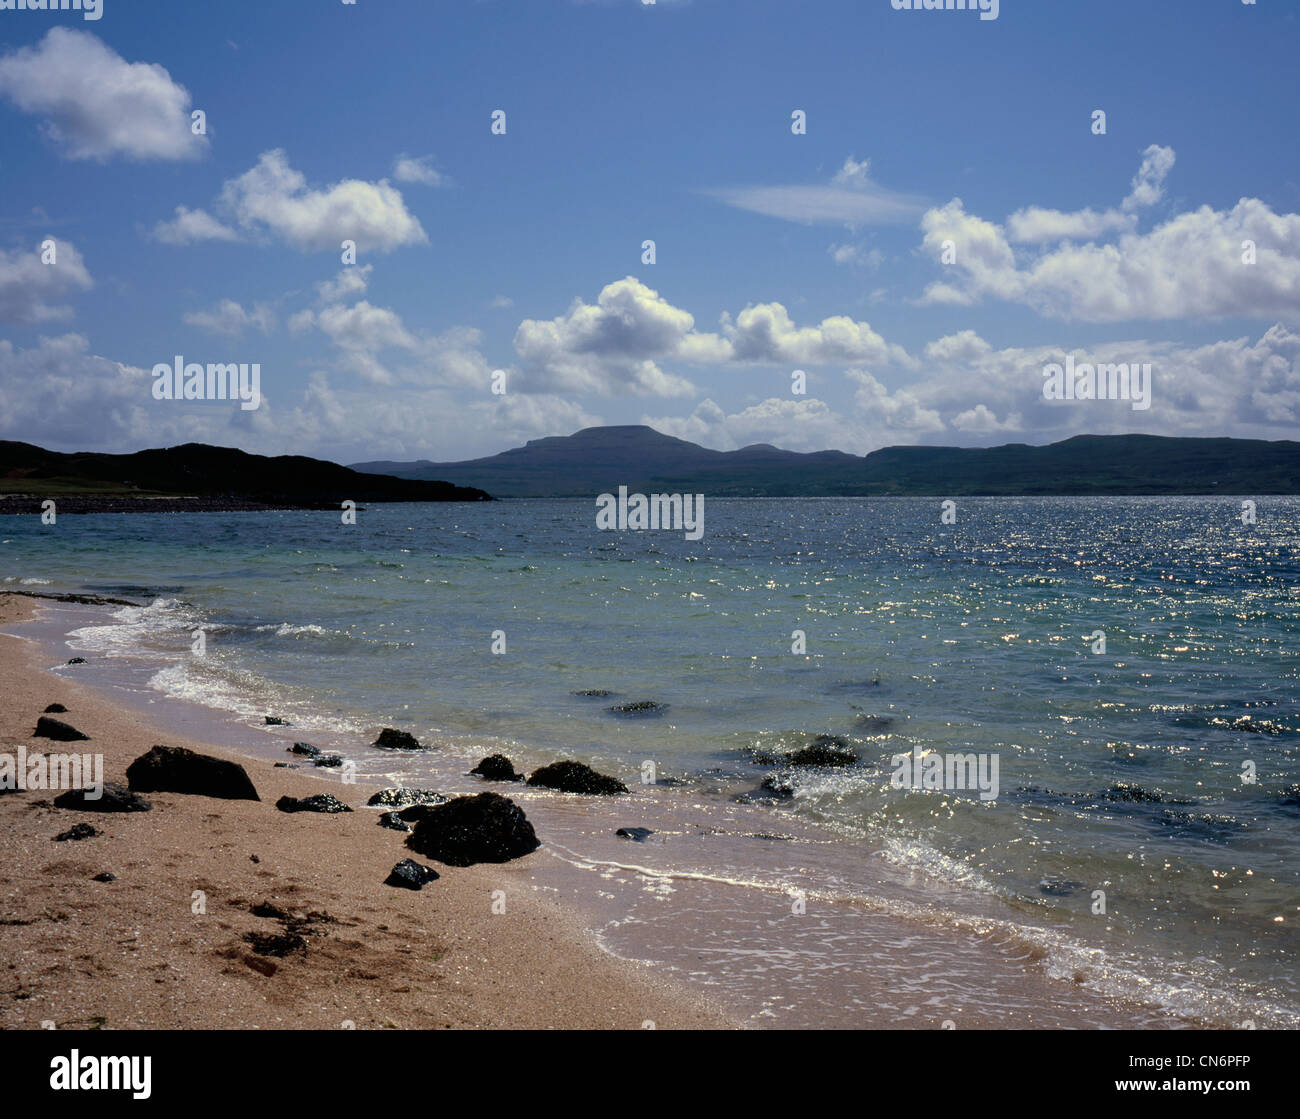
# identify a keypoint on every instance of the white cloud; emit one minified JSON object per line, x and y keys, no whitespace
{"x":1190,"y":266}
{"x":95,"y":105}
{"x":58,"y":394}
{"x":615,"y":346}
{"x":30,"y":290}
{"x":764,"y":333}
{"x":350,"y":282}
{"x":230,"y":319}
{"x":851,"y":198}
{"x":612,"y":346}
{"x":409,"y":169}
{"x":191,"y":226}
{"x":272,"y":199}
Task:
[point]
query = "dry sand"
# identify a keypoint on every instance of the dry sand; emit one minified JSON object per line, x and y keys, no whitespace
{"x":133,"y":953}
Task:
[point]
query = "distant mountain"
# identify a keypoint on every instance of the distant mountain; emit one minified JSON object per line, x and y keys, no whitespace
{"x":196,"y":476}
{"x":599,"y":459}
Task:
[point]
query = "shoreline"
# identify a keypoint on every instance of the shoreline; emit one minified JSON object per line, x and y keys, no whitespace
{"x":131,"y":953}
{"x":1005,"y":980}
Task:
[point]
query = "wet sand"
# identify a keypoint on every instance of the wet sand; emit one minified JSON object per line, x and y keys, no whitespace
{"x":142,"y":952}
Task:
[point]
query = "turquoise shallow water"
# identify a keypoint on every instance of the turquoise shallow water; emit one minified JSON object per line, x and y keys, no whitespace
{"x":1119,"y":772}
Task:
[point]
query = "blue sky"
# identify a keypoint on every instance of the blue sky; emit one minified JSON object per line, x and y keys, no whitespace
{"x":624,"y":122}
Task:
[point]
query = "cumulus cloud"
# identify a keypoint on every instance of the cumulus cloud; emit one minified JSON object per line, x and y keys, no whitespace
{"x":764,"y":333}
{"x":1190,"y":266}
{"x":59,"y":394}
{"x":410,"y":169}
{"x":1035,"y":225}
{"x":31,"y":290}
{"x":851,"y":198}
{"x":93,"y":104}
{"x":349,"y":283}
{"x":191,"y":226}
{"x":272,"y":199}
{"x":616,"y":345}
{"x":229,"y":318}
{"x":612,"y":346}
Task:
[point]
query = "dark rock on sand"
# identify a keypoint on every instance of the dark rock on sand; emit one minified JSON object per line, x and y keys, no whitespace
{"x":639,"y":834}
{"x":269,"y":910}
{"x":275,"y":721}
{"x":394,"y":821}
{"x":106,"y":876}
{"x":174,"y":769}
{"x":640,"y":707}
{"x":487,"y":828}
{"x":56,"y":709}
{"x":115,"y":798}
{"x":276,"y":944}
{"x":58,"y":731}
{"x":496,"y":767}
{"x":77,"y":660}
{"x":77,"y":831}
{"x":328,"y":761}
{"x":401,"y":798}
{"x":574,"y":777}
{"x":283,"y":765}
{"x":390,"y":739}
{"x":825,"y":750}
{"x":410,"y":875}
{"x":306,"y":749}
{"x":321,"y":802}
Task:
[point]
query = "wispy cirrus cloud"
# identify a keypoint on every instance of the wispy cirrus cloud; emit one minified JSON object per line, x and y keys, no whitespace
{"x":851,"y":198}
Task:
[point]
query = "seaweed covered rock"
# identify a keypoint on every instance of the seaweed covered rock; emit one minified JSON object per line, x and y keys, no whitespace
{"x":825,"y":750}
{"x":321,"y":802}
{"x":640,"y":707}
{"x":401,"y":798}
{"x":390,"y":739}
{"x":574,"y":777}
{"x":174,"y":769}
{"x":496,"y":767}
{"x":487,"y":828}
{"x":410,"y":875}
{"x":112,"y":798}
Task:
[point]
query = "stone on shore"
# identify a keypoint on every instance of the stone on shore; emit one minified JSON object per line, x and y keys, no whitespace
{"x":174,"y":769}
{"x":402,"y":798}
{"x":390,"y":739}
{"x":496,"y":767}
{"x":58,"y":731}
{"x":574,"y":777}
{"x":487,"y":828}
{"x":321,"y":802}
{"x":115,"y":798}
{"x":410,"y":875}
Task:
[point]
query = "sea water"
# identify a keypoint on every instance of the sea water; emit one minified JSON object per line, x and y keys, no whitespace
{"x":1130,"y":663}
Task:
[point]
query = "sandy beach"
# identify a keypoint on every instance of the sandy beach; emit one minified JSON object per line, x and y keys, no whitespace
{"x":133,"y":953}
